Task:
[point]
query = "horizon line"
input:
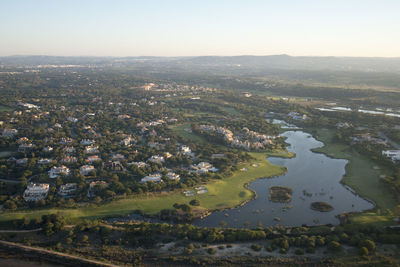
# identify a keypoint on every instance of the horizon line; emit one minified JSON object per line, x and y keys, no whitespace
{"x":238,"y":55}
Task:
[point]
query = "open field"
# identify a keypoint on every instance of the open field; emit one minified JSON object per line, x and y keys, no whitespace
{"x":182,"y":131}
{"x":225,"y":193}
{"x":4,"y":108}
{"x":360,"y":176}
{"x":4,"y":154}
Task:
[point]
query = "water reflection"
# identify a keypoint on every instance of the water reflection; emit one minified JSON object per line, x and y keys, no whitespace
{"x":312,"y":177}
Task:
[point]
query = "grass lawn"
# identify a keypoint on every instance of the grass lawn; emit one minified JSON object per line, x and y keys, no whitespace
{"x":225,"y":193}
{"x":360,"y":175}
{"x":5,"y":108}
{"x":372,"y":218}
{"x":180,"y":129}
{"x":4,"y":154}
{"x":231,"y":111}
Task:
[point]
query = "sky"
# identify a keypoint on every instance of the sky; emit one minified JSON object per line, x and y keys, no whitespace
{"x":202,"y":27}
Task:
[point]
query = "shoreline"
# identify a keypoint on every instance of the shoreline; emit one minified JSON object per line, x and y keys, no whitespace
{"x":342,"y":182}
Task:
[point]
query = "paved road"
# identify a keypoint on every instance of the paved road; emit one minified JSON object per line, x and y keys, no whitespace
{"x":10,"y":181}
{"x":59,"y":254}
{"x":21,"y":231}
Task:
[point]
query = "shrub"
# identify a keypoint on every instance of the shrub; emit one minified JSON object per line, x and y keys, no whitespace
{"x":211,"y":251}
{"x":334,"y":246}
{"x":194,"y":202}
{"x":369,"y":244}
{"x":363,"y":251}
{"x":299,"y":251}
{"x":256,"y":247}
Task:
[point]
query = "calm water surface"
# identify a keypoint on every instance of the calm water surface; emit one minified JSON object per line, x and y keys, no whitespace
{"x":311,"y":176}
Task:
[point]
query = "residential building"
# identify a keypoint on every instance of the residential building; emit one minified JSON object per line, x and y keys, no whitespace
{"x":87,"y":142}
{"x":47,"y":149}
{"x":86,"y":170}
{"x":92,"y":159}
{"x":56,"y":171}
{"x":67,"y":190}
{"x":139,"y":164}
{"x":155,"y":178}
{"x":393,"y":154}
{"x":203,"y":167}
{"x":25,"y":147}
{"x":91,"y":149}
{"x":9,"y":132}
{"x":157,"y":159}
{"x":173,"y":176}
{"x":36,"y":191}
{"x":45,"y":161}
{"x":69,"y":160}
{"x":22,"y":161}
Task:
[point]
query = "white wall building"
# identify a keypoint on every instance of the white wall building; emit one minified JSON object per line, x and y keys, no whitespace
{"x":86,"y":170}
{"x":35,"y":192}
{"x":56,"y":171}
{"x":155,"y":178}
{"x":393,"y":154}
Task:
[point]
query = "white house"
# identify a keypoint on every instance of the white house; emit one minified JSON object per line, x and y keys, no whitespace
{"x":87,"y":142}
{"x":185,"y":150}
{"x":56,"y":171}
{"x":69,"y":160}
{"x":393,"y":154}
{"x":157,"y":159}
{"x":69,"y":149}
{"x":173,"y":176}
{"x":92,"y":159}
{"x":139,"y":164}
{"x":203,"y":167}
{"x":47,"y":149}
{"x":22,"y":161}
{"x":155,"y":178}
{"x":86,"y":169}
{"x":9,"y":132}
{"x":45,"y":161}
{"x":91,"y":149}
{"x":67,"y":189}
{"x":35,"y":192}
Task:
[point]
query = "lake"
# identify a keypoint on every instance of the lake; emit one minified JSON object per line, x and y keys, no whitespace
{"x":312,"y":177}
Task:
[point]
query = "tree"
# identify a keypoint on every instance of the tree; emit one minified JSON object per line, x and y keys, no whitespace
{"x":334,"y":246}
{"x":194,"y":202}
{"x":369,"y":244}
{"x":363,"y":251}
{"x":9,"y":204}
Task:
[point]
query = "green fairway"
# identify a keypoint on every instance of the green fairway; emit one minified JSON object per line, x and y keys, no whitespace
{"x":372,"y":218}
{"x":4,"y":154}
{"x":360,"y":174}
{"x":184,"y":130}
{"x":5,"y":108}
{"x":225,"y":193}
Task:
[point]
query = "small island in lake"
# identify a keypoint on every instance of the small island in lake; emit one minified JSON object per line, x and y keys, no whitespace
{"x":280,"y":194}
{"x":321,"y":206}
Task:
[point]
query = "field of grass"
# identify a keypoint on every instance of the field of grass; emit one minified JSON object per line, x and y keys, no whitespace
{"x":181,"y":130}
{"x":372,"y":218}
{"x":361,"y":176}
{"x":225,"y":193}
{"x":5,"y":108}
{"x":4,"y":154}
{"x":230,"y":110}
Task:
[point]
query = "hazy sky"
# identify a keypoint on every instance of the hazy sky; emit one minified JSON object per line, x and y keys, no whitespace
{"x":201,"y":27}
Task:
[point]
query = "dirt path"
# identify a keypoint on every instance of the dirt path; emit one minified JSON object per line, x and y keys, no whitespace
{"x":42,"y":251}
{"x":21,"y":231}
